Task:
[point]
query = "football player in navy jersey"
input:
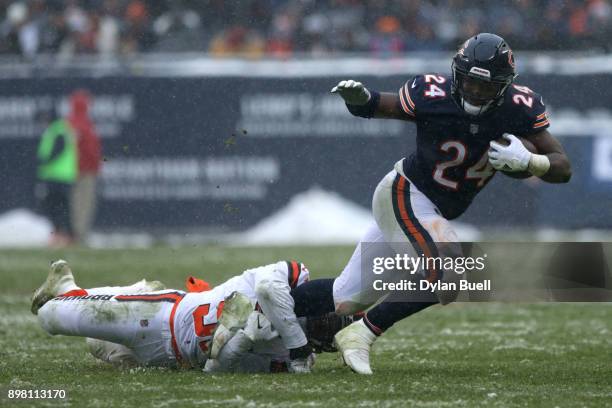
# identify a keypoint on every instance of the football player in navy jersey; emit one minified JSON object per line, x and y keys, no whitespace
{"x":460,"y":120}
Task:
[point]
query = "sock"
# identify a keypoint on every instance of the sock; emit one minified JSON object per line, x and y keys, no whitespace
{"x":300,"y":352}
{"x":384,"y":315}
{"x":314,"y":298}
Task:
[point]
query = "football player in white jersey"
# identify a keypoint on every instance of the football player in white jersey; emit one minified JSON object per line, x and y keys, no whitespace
{"x":169,"y":327}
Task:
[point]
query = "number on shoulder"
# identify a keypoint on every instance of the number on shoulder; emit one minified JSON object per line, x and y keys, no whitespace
{"x":432,"y":90}
{"x":525,"y":97}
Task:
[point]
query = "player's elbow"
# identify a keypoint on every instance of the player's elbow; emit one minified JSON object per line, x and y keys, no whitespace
{"x":567,"y":176}
{"x":263,"y":290}
{"x":560,"y":173}
{"x":566,"y":172}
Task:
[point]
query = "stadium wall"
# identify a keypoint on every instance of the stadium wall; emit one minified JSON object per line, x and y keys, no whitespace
{"x":199,"y":148}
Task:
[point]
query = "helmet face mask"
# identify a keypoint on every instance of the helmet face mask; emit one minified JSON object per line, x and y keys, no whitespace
{"x":483,"y":69}
{"x":479,"y":92}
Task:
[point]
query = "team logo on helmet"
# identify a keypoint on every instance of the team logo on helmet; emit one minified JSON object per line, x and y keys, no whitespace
{"x":511,"y":59}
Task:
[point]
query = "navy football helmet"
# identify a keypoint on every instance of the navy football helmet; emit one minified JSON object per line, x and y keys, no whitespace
{"x":483,"y":69}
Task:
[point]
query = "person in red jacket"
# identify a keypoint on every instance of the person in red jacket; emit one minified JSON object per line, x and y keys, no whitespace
{"x":89,"y":158}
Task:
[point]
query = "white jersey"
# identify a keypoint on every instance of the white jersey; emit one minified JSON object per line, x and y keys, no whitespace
{"x":197,"y":314}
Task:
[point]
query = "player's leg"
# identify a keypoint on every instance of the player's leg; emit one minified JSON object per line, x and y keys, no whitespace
{"x":60,"y":281}
{"x":142,"y":326}
{"x":354,"y":290}
{"x":130,"y":320}
{"x":408,"y":220}
{"x":349,"y":293}
{"x":314,"y":298}
{"x":113,"y":353}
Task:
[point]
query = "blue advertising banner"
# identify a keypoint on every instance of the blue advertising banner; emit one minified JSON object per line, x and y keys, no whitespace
{"x":222,"y":153}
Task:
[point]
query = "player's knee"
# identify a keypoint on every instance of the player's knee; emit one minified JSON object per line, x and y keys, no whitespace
{"x":440,"y":229}
{"x":112,"y":353}
{"x":96,"y":349}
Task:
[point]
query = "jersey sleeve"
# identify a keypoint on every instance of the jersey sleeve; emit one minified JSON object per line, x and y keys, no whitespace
{"x":297,"y":273}
{"x":408,"y":95}
{"x":532,"y":114}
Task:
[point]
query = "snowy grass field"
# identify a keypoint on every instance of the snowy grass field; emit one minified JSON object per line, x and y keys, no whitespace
{"x":466,"y":355}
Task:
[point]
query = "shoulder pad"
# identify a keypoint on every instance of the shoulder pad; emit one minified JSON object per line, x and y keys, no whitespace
{"x":422,"y":90}
{"x":528,"y":109}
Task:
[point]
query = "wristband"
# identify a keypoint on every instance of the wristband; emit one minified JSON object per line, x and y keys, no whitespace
{"x":367,"y":110}
{"x":539,"y":164}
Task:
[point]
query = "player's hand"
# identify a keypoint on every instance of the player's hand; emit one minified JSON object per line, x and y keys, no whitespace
{"x":514,"y":157}
{"x":259,"y":328}
{"x":353,"y":93}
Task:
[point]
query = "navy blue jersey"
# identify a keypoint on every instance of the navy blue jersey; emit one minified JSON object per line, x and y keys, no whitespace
{"x":450,"y":165}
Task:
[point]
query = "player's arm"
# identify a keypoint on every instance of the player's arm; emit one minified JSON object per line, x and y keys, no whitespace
{"x":559,"y":167}
{"x":551,"y":164}
{"x":389,"y":107}
{"x":370,"y":104}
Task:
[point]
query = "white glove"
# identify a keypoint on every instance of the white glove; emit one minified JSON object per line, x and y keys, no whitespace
{"x":353,"y":93}
{"x":514,"y":157}
{"x":259,"y":328}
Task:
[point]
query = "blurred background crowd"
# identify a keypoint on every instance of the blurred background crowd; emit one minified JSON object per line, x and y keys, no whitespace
{"x":287,"y":27}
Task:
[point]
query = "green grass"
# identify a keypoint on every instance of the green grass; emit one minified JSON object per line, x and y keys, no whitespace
{"x":460,"y":355}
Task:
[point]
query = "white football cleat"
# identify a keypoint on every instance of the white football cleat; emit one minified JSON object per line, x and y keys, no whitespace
{"x":212,"y":366}
{"x":354,"y":342}
{"x":301,"y":365}
{"x":59,"y":280}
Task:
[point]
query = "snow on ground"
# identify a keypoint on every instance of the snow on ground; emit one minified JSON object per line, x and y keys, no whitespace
{"x":311,"y":217}
{"x":23,"y":228}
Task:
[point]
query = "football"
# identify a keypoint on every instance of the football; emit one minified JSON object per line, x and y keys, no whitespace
{"x":530,"y":146}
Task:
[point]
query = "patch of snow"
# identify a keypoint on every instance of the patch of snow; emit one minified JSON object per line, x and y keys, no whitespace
{"x":23,"y":228}
{"x":312,"y":217}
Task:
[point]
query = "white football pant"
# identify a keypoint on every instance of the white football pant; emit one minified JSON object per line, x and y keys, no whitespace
{"x":142,"y":326}
{"x":407,"y":222}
